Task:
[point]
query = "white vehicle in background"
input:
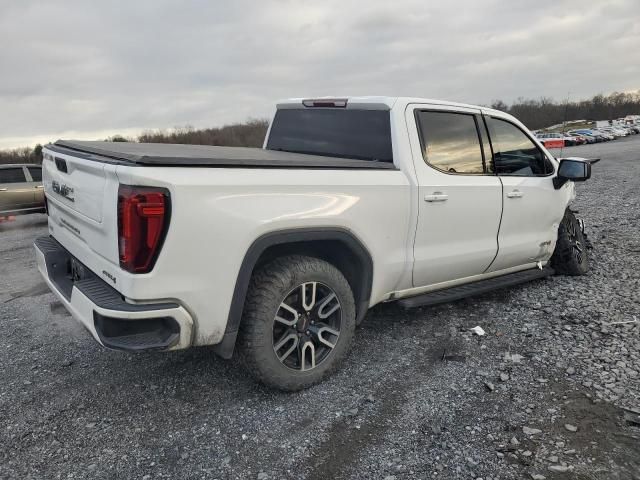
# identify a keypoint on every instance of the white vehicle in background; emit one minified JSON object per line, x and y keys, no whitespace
{"x":614,"y":131}
{"x":279,"y":252}
{"x":604,"y":134}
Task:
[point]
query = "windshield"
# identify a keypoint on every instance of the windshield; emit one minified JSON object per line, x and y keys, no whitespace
{"x":360,"y":134}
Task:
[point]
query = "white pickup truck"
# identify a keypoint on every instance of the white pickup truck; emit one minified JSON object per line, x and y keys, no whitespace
{"x":279,"y":252}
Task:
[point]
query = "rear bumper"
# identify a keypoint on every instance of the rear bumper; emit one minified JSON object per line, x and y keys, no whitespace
{"x":113,"y":322}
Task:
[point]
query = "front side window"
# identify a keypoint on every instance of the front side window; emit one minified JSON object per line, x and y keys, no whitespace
{"x":514,"y":153}
{"x":12,"y":175}
{"x":450,"y":141}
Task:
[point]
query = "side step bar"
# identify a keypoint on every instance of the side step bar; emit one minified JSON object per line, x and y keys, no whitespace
{"x":475,"y":288}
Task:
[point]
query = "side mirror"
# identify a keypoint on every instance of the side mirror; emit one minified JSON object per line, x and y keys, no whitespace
{"x":573,"y":169}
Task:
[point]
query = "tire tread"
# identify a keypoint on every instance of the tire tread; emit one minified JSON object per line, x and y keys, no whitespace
{"x":273,"y":280}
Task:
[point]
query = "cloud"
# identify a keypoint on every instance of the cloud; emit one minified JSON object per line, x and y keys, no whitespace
{"x":92,"y":68}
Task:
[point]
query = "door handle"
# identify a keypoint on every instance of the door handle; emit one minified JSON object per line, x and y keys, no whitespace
{"x":3,"y":189}
{"x":515,"y":194}
{"x":39,"y":186}
{"x":436,"y":197}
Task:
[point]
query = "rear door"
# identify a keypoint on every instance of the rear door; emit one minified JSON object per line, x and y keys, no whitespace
{"x":16,"y":193}
{"x":460,"y":199}
{"x":36,"y":183}
{"x":533,"y":208}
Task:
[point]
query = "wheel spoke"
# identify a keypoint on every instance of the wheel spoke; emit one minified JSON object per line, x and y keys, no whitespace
{"x":307,"y":346}
{"x":287,"y":337}
{"x":291,"y":310}
{"x":309,"y":297}
{"x":323,"y":333}
{"x":326,"y":304}
{"x":306,"y":326}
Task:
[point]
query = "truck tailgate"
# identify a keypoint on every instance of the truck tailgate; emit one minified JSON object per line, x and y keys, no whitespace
{"x":82,"y":202}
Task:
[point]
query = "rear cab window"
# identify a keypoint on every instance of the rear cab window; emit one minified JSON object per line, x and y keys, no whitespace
{"x":450,"y":142}
{"x":333,"y":132}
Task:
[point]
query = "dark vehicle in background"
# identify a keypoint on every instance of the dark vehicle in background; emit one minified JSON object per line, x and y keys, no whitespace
{"x":21,"y":189}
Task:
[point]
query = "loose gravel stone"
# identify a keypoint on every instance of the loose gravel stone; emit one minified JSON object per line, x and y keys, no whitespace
{"x":559,"y":468}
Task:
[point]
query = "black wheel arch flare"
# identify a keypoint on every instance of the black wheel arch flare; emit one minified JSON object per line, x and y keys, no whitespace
{"x":361,"y":287}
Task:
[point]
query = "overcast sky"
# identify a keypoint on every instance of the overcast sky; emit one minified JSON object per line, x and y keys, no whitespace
{"x":84,"y":69}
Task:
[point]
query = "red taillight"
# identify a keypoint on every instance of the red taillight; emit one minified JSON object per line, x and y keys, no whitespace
{"x":143,"y":217}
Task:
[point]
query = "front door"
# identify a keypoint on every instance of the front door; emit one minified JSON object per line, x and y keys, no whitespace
{"x":533,"y":208}
{"x":460,"y":200}
{"x":15,"y":192}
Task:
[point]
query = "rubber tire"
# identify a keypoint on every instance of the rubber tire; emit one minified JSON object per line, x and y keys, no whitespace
{"x":268,"y":287}
{"x":563,"y":260}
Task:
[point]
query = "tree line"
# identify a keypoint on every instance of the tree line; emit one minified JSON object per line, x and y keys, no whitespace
{"x":545,"y":112}
{"x":248,"y":134}
{"x":535,"y":114}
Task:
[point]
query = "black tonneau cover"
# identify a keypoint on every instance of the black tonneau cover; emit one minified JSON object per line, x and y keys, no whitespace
{"x":177,"y":155}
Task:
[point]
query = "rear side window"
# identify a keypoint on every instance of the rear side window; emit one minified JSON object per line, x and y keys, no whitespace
{"x":450,"y":141}
{"x":36,"y":173}
{"x":12,"y":175}
{"x":359,"y":134}
{"x":514,"y":153}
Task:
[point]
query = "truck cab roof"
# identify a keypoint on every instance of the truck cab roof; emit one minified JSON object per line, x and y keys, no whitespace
{"x":369,"y":102}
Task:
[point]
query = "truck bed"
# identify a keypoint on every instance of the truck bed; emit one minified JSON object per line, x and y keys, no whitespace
{"x":178,"y":155}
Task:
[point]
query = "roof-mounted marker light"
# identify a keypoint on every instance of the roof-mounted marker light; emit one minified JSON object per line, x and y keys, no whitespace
{"x":326,"y":102}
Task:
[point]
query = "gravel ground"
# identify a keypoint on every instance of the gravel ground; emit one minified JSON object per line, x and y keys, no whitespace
{"x":549,"y":392}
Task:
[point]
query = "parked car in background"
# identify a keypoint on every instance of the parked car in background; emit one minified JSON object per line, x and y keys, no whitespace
{"x":552,"y":140}
{"x":587,"y":138}
{"x":555,"y":140}
{"x":607,"y":136}
{"x":570,"y":140}
{"x":595,"y":135}
{"x":616,"y":132}
{"x":581,"y":139}
{"x":21,"y":189}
